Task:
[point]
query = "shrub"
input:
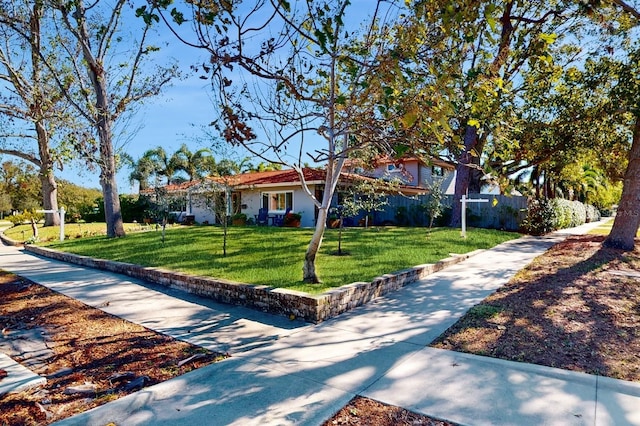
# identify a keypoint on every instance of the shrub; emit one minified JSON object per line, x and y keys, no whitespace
{"x":593,"y":214}
{"x":563,"y":210}
{"x":24,"y":217}
{"x":578,"y":214}
{"x":542,"y":217}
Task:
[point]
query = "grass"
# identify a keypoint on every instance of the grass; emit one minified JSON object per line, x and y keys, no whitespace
{"x":605,"y":228}
{"x":71,"y":230}
{"x":274,"y":256}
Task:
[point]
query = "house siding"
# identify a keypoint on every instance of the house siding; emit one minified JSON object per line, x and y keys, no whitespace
{"x":251,"y":201}
{"x":302,"y":203}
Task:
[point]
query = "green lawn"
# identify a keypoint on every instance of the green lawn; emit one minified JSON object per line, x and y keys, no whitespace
{"x":605,"y":228}
{"x":71,"y":230}
{"x":274,"y":256}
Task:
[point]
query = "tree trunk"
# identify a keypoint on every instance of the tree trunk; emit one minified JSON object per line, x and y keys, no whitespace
{"x":49,"y":198}
{"x":103,"y":124}
{"x":625,"y":225}
{"x":463,"y":174}
{"x":309,"y":268}
{"x":47,"y":179}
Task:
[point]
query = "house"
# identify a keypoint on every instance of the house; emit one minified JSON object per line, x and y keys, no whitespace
{"x":281,"y":191}
{"x":409,"y":170}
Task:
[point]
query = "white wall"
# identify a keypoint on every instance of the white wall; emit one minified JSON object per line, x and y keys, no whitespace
{"x":301,"y":202}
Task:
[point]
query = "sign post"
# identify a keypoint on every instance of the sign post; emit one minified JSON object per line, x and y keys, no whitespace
{"x":61,"y":213}
{"x":464,"y":200}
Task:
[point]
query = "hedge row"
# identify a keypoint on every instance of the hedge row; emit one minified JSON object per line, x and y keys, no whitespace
{"x":547,"y":215}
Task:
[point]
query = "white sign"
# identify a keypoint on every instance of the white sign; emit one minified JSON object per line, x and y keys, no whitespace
{"x":464,"y":200}
{"x":61,"y":212}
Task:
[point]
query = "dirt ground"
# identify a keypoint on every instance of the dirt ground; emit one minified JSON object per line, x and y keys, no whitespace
{"x":576,"y":307}
{"x":83,"y":347}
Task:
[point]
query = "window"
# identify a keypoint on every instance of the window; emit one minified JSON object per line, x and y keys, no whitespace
{"x":437,"y":171}
{"x":277,"y":201}
{"x":391,"y":167}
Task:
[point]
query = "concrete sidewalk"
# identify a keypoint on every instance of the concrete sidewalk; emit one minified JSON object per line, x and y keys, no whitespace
{"x":284,"y":372}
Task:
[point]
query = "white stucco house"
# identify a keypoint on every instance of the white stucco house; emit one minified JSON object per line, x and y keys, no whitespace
{"x":281,"y":191}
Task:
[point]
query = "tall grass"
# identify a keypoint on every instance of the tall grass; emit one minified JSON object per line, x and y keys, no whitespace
{"x":274,"y":256}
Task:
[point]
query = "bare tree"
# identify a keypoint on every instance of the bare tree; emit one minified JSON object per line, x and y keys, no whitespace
{"x":297,"y":82}
{"x":107,"y":83}
{"x":34,"y":108}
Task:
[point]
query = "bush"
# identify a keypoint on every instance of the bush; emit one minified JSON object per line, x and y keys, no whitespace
{"x":578,"y":214}
{"x":24,"y":218}
{"x":542,"y":217}
{"x":564,"y":214}
{"x":545,"y":216}
{"x":593,"y":214}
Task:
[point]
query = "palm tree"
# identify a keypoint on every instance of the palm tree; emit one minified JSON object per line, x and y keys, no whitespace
{"x":142,"y":170}
{"x":163,"y":165}
{"x":194,"y":164}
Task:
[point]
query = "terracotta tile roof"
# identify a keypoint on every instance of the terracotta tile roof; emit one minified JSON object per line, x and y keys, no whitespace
{"x":288,"y":176}
{"x":272,"y":177}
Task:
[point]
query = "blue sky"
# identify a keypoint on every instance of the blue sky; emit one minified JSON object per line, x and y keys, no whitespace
{"x":177,"y":115}
{"x":168,"y":120}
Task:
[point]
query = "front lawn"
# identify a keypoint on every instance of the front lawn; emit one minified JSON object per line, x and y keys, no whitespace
{"x":71,"y":230}
{"x":274,"y":256}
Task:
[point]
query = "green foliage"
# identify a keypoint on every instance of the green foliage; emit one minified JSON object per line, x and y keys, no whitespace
{"x":78,"y":202}
{"x":434,"y":206}
{"x":19,"y":181}
{"x":542,"y":217}
{"x":25,"y":217}
{"x":366,"y":196}
{"x":134,"y":209}
{"x":482,"y":311}
{"x":564,"y":215}
{"x":273,"y":256}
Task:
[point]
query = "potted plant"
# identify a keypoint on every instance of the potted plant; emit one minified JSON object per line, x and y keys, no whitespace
{"x":292,"y":220}
{"x":239,"y":219}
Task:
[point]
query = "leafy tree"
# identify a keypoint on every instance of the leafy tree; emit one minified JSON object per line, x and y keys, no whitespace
{"x":434,"y":205}
{"x":142,"y":170}
{"x":624,"y":21}
{"x":194,"y":164}
{"x":627,"y":219}
{"x":366,"y":195}
{"x":5,"y":204}
{"x":163,"y":164}
{"x":264,"y":167}
{"x":31,"y":101}
{"x":20,"y":182}
{"x":316,"y":78}
{"x":489,"y":45}
{"x":93,"y":43}
{"x":77,"y":200}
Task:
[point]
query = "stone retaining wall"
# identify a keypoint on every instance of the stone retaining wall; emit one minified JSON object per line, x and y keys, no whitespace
{"x":312,"y":308}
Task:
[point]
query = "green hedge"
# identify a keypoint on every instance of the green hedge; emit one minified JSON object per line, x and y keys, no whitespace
{"x":544,"y":215}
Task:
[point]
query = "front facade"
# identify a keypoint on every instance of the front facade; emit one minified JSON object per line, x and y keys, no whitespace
{"x":411,"y":171}
{"x":279,"y":192}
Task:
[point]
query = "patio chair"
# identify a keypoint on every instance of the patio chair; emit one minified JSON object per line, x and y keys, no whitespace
{"x":262,"y":218}
{"x":279,"y":220}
